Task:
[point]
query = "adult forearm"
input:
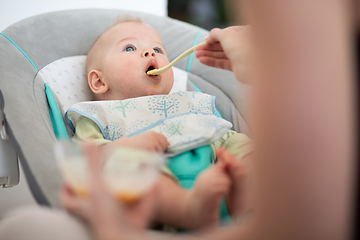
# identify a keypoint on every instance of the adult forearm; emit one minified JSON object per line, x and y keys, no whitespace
{"x":303,"y":118}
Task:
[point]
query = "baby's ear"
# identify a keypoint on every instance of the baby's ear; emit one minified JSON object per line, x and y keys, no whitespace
{"x":96,"y":83}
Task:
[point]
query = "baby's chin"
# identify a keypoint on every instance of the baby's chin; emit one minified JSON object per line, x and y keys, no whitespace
{"x":159,"y":89}
{"x":150,"y":92}
{"x":154,"y":92}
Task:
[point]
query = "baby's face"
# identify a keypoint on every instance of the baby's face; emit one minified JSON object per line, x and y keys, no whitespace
{"x":133,"y":48}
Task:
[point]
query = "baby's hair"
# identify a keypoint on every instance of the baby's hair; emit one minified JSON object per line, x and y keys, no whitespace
{"x":120,"y":19}
{"x":126,"y":18}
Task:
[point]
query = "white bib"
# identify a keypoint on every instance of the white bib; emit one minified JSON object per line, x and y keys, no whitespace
{"x":186,"y":119}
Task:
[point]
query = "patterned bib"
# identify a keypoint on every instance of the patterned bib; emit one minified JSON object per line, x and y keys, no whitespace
{"x":187,"y":119}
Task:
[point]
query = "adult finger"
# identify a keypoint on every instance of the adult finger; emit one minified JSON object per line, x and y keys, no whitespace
{"x":93,"y":155}
{"x":216,"y":47}
{"x":215,"y":36}
{"x":236,"y":28}
{"x":66,"y":196}
{"x":213,"y":54}
{"x":218,"y":63}
{"x":72,"y":203}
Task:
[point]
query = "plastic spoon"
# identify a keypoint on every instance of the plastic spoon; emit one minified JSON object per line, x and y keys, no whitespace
{"x":184,"y":54}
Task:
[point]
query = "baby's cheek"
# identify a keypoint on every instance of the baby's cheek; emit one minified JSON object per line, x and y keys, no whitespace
{"x":116,"y":70}
{"x":169,"y":78}
{"x":129,"y":67}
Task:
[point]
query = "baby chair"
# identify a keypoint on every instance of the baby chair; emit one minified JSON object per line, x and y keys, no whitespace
{"x":42,"y":74}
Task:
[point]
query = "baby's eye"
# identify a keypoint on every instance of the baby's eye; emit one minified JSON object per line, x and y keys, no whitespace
{"x":157,"y":50}
{"x":129,"y":49}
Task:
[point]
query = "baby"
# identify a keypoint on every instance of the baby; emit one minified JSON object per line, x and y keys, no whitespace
{"x":116,"y":65}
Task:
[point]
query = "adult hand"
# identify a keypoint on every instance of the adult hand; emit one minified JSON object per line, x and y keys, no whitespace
{"x":108,"y":218}
{"x":227,"y":49}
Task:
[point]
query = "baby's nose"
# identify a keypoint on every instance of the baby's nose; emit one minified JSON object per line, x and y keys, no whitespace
{"x":148,"y":53}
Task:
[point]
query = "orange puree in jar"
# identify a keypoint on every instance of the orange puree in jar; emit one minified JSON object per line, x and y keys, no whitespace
{"x":128,"y":197}
{"x":81,"y":191}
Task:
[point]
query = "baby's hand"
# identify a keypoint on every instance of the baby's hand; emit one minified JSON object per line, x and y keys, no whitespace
{"x":149,"y":140}
{"x":213,"y":182}
{"x":239,"y":199}
{"x":205,"y":196}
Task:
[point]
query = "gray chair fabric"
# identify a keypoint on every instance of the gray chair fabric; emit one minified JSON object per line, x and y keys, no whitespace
{"x":29,"y":45}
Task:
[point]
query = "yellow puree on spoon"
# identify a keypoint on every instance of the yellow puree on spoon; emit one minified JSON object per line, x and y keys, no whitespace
{"x":184,"y":54}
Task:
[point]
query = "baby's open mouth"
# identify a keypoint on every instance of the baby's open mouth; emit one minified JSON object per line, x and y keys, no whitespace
{"x":150,"y":68}
{"x":152,"y":65}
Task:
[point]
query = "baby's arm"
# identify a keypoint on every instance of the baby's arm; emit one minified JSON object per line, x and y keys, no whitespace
{"x":238,"y":144}
{"x":149,"y":140}
{"x":86,"y":130}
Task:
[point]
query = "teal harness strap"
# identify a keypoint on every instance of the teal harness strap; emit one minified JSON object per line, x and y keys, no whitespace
{"x":20,"y":51}
{"x":188,"y":165}
{"x":55,"y":115}
{"x":196,"y":39}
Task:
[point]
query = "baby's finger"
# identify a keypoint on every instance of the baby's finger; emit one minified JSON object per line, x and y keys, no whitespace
{"x":164,"y":142}
{"x":235,"y":168}
{"x":221,"y":185}
{"x":220,"y":167}
{"x":223,"y":155}
{"x":160,"y":146}
{"x":224,"y":180}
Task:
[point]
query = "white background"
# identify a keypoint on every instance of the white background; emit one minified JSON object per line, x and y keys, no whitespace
{"x":12,"y":11}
